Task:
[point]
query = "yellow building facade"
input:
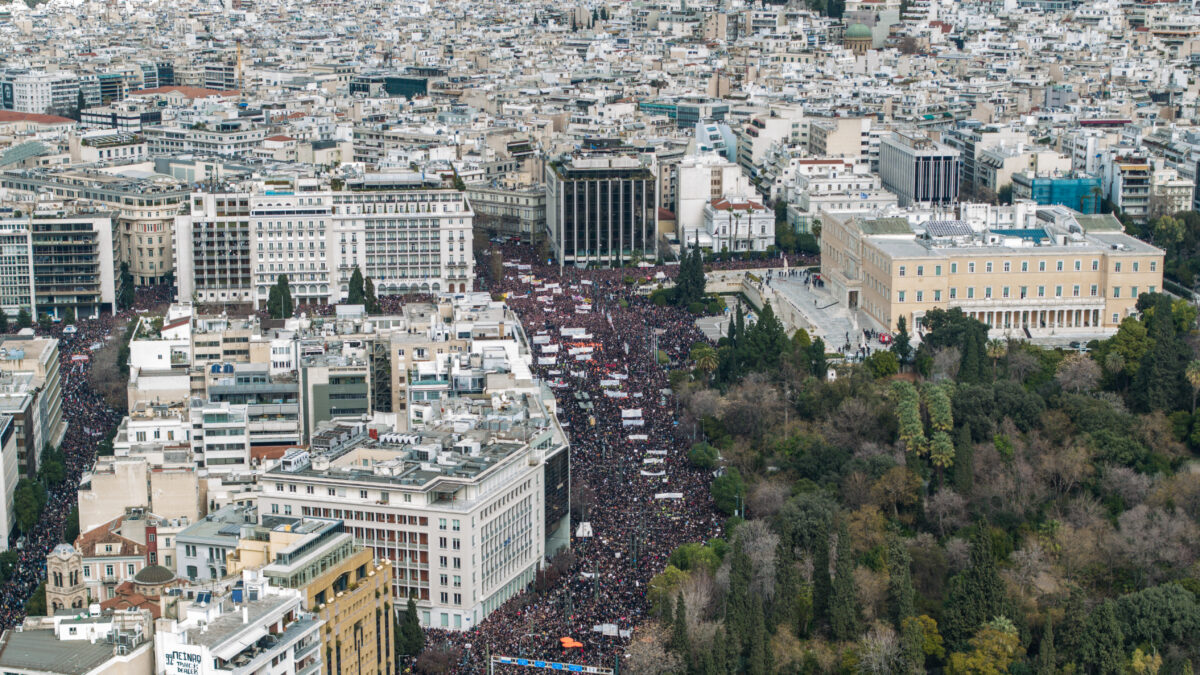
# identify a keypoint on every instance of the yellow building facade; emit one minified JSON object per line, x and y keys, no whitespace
{"x":1023,"y":282}
{"x":343,"y":585}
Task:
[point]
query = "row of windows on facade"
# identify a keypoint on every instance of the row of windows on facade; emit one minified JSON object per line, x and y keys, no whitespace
{"x":1041,"y":292}
{"x":1007,"y":267}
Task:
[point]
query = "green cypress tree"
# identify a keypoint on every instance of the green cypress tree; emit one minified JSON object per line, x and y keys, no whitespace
{"x":822,"y":583}
{"x":969,"y":369}
{"x":411,"y":637}
{"x":369,"y":299}
{"x":285,"y":292}
{"x":845,"y":616}
{"x":1101,"y":651}
{"x":737,"y":613}
{"x":785,"y":609}
{"x":816,"y":356}
{"x":3,"y":321}
{"x":699,"y":283}
{"x":356,"y":295}
{"x":24,"y":320}
{"x":733,"y":650}
{"x":679,"y":632}
{"x":902,"y":345}
{"x":1046,"y":661}
{"x":975,"y":595}
{"x":912,"y":648}
{"x":756,"y":648}
{"x":1070,"y":634}
{"x":719,"y":655}
{"x":900,"y":588}
{"x":964,"y":461}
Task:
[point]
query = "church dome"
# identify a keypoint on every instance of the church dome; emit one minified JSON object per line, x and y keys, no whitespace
{"x":858,"y":31}
{"x":153,"y":575}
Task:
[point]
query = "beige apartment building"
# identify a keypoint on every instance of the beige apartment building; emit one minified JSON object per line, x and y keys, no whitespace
{"x":1078,"y":277}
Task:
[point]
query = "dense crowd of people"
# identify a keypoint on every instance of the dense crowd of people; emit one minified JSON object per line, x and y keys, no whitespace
{"x":89,"y":419}
{"x":648,"y":499}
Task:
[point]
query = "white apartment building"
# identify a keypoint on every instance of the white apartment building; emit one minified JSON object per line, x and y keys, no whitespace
{"x":267,"y":631}
{"x":35,"y":91}
{"x":738,"y":224}
{"x":703,"y":178}
{"x":227,"y":138}
{"x":833,"y":186}
{"x":466,"y":513}
{"x":405,"y":232}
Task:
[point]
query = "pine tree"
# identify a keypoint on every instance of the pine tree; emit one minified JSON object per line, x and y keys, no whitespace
{"x":3,"y":321}
{"x":679,"y":632}
{"x":24,"y":320}
{"x":845,"y":616}
{"x":900,"y":588}
{"x":356,"y":295}
{"x":822,"y":584}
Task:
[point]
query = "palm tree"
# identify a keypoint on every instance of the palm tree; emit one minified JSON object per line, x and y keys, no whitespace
{"x":996,"y":349}
{"x":1193,"y":378}
{"x":705,"y":357}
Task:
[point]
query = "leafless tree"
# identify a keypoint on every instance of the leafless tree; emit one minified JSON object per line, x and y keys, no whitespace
{"x":1077,"y":373}
{"x":947,"y":511}
{"x":752,"y":408}
{"x":856,"y":489}
{"x":1132,"y":487}
{"x":698,"y":592}
{"x":880,"y":651}
{"x":946,"y":362}
{"x":1181,"y":490}
{"x":760,"y":544}
{"x":647,"y":652}
{"x":437,"y":659}
{"x":767,"y":497}
{"x":1028,"y":564}
{"x":1021,"y":364}
{"x":871,"y":588}
{"x":1156,"y":541}
{"x":958,"y":552}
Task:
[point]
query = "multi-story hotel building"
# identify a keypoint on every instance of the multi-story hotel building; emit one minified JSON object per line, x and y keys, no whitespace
{"x":1066,"y":273}
{"x":405,"y":232}
{"x":144,"y":207}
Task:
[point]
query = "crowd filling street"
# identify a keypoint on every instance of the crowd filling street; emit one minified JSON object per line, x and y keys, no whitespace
{"x":633,"y":483}
{"x":89,"y":419}
{"x":645,"y":499}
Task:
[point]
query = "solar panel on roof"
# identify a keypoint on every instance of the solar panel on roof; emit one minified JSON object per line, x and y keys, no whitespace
{"x":947,"y":228}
